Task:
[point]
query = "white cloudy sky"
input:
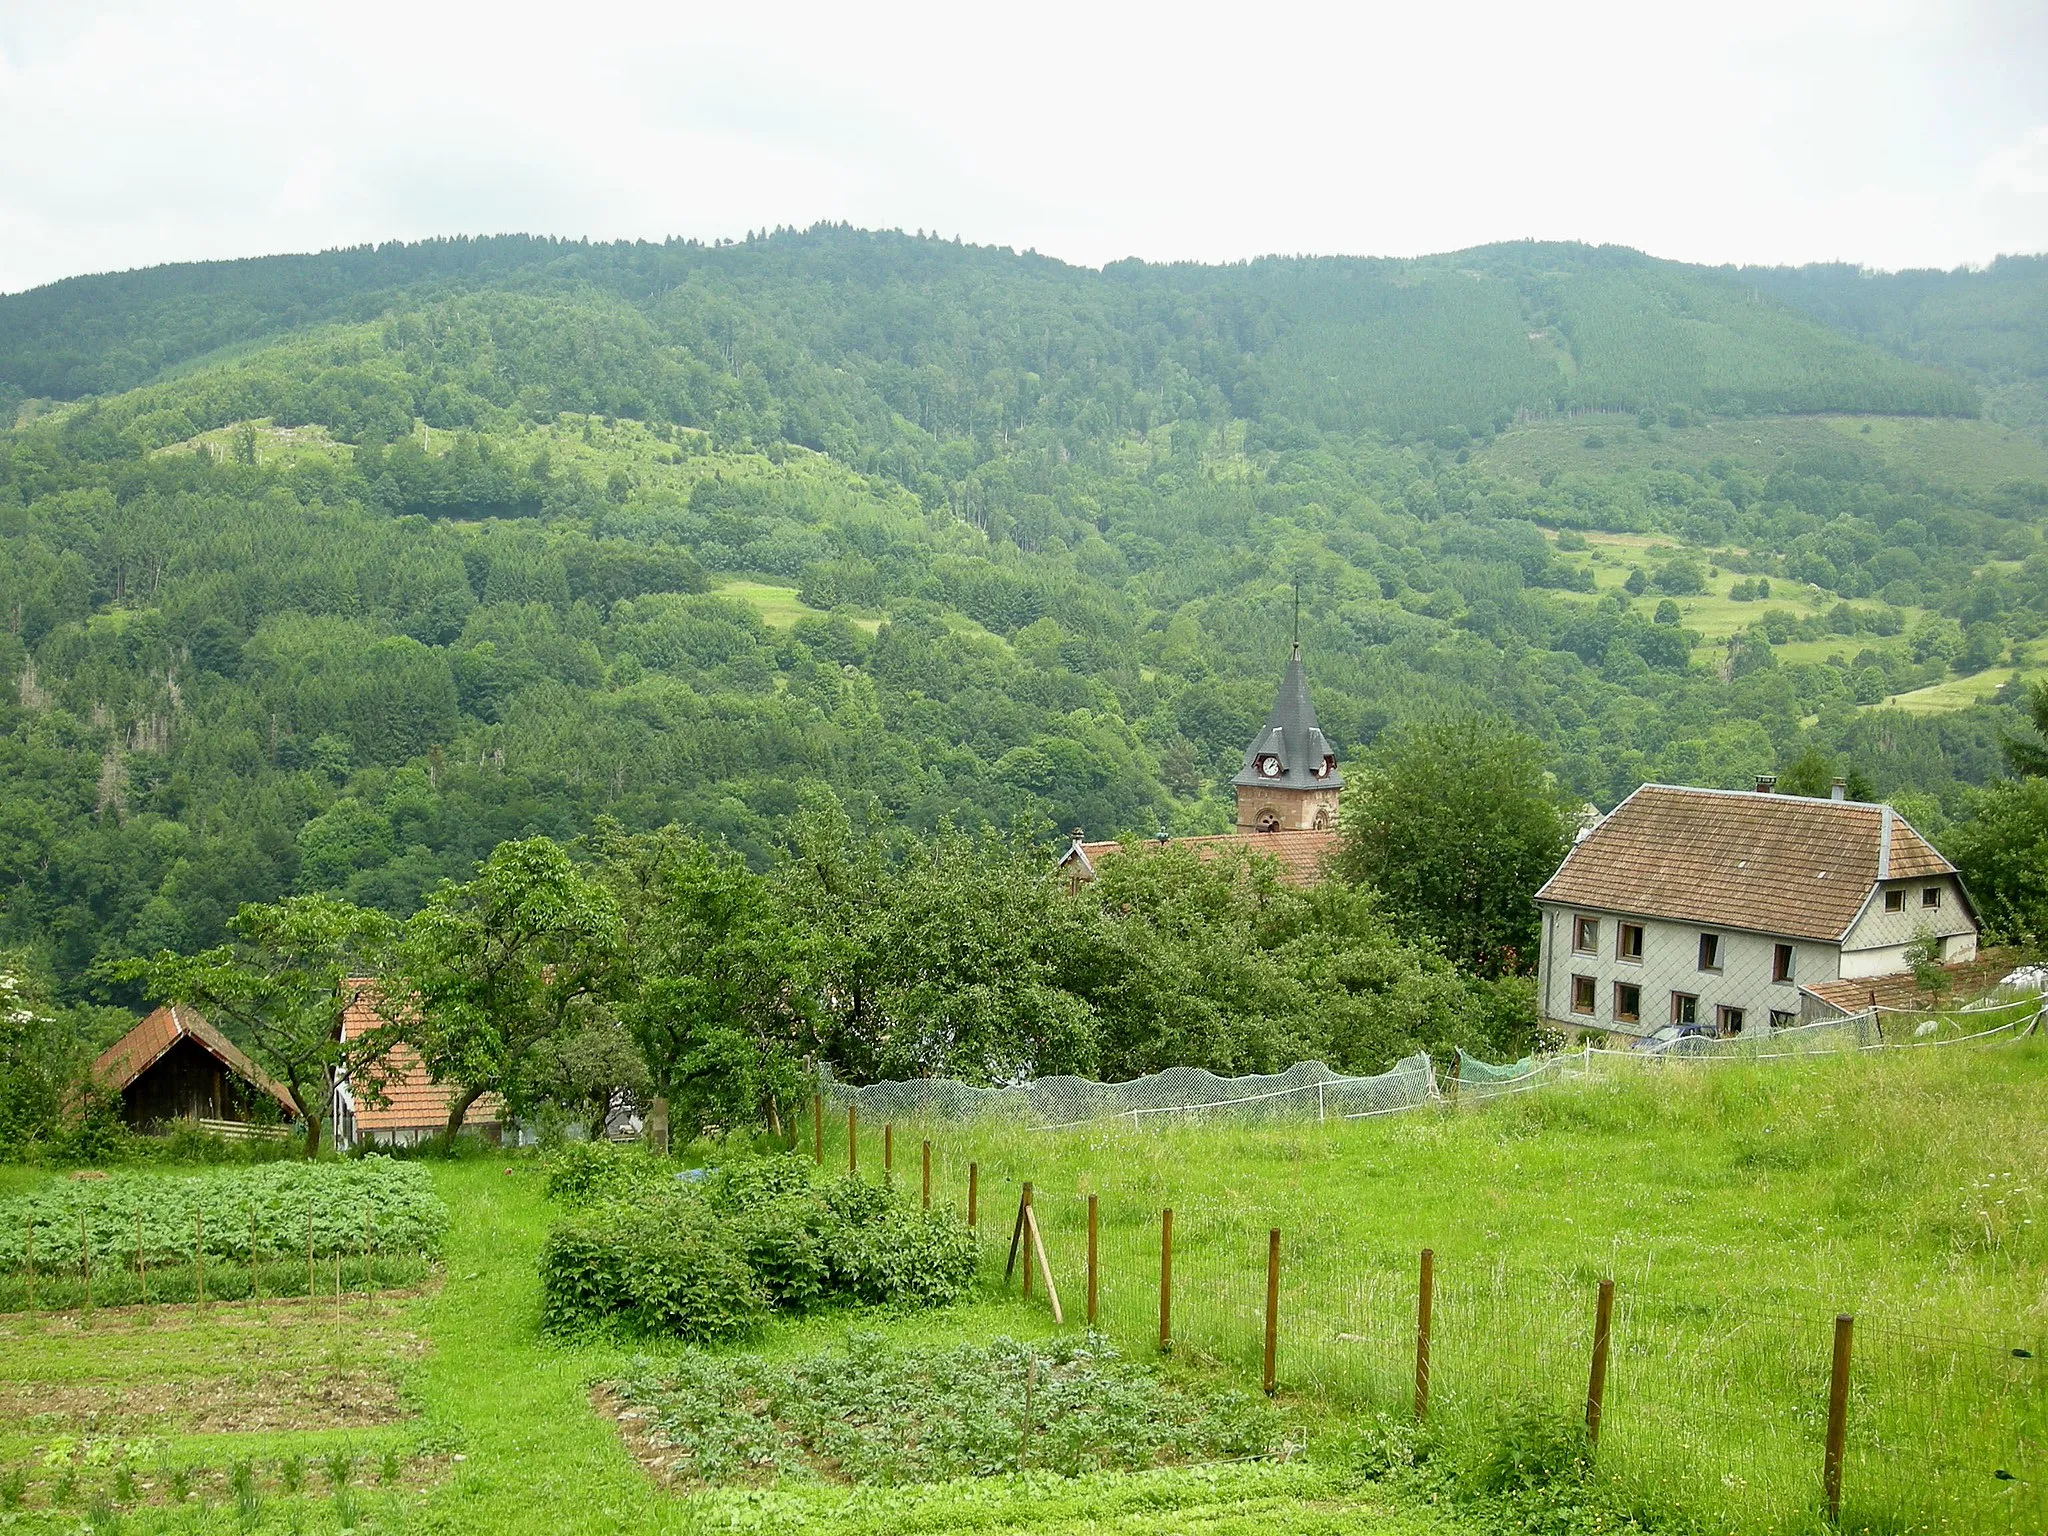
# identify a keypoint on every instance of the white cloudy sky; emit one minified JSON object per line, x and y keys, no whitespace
{"x":1890,"y":132}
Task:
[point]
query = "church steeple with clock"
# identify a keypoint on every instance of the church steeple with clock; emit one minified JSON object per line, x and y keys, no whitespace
{"x":1290,"y":781}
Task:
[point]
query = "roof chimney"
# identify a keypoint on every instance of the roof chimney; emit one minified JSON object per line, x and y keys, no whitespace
{"x":1840,"y":791}
{"x":1766,"y":783}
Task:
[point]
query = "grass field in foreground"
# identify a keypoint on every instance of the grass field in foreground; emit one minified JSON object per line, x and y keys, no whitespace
{"x":1738,"y":1208}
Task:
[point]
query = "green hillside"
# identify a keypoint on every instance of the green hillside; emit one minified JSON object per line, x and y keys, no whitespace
{"x":330,"y":572}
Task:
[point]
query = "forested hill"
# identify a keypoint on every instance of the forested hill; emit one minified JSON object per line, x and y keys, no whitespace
{"x":329,"y":572}
{"x":1463,"y":341}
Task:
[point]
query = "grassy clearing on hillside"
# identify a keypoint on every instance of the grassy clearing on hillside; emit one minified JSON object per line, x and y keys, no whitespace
{"x":1976,"y":455}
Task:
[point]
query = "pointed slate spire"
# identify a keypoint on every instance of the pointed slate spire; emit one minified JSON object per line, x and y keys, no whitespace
{"x":1291,"y":752}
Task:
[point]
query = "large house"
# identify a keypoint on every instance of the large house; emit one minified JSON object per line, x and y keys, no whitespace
{"x":1732,"y":912}
{"x":1287,"y":793}
{"x":410,"y":1107}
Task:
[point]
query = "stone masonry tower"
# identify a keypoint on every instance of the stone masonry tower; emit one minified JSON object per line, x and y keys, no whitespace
{"x":1289,"y":782}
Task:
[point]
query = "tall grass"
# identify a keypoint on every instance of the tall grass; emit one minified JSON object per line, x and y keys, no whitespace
{"x":1738,"y":1207}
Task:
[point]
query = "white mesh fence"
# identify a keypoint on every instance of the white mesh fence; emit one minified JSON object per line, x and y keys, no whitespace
{"x":1307,"y":1090}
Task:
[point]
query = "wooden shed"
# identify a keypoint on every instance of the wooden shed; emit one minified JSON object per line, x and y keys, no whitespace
{"x":174,"y":1065}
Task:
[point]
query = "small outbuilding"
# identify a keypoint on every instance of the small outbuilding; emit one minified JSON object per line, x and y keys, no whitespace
{"x":409,"y":1106}
{"x":175,"y":1065}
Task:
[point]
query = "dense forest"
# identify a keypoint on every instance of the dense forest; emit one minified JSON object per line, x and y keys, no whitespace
{"x":329,"y":574}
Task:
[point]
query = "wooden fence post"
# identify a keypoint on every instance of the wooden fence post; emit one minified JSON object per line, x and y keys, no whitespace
{"x":925,"y":1201}
{"x":1838,"y":1418}
{"x":84,"y":1261}
{"x":141,"y":1260}
{"x":852,"y":1139}
{"x":369,"y":1278}
{"x":818,"y":1125}
{"x":1016,"y":1237}
{"x":1166,"y":1279}
{"x":199,"y":1257}
{"x":973,"y":1190}
{"x":29,"y":1224}
{"x":1272,"y":1304}
{"x":337,"y":1283}
{"x":255,"y":1280}
{"x":312,"y":1288}
{"x":1091,"y":1261}
{"x":888,"y":1149}
{"x":1596,"y":1381}
{"x":1425,"y":1296}
{"x":1052,"y":1290}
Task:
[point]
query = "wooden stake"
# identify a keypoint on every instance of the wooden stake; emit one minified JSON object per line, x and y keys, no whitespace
{"x":312,"y":1288}
{"x":973,"y":1189}
{"x":29,"y":1225}
{"x":255,"y":1279}
{"x":141,"y":1260}
{"x":1091,"y":1261}
{"x":818,"y":1126}
{"x":368,"y":1284}
{"x":84,"y":1261}
{"x":888,"y":1149}
{"x":1425,"y":1295}
{"x":1272,"y":1304}
{"x":1838,"y":1418}
{"x":926,"y":1203}
{"x":199,"y":1256}
{"x":1596,"y":1382}
{"x":852,"y":1140}
{"x":1166,"y":1279}
{"x":1052,"y":1292}
{"x":1016,"y":1237}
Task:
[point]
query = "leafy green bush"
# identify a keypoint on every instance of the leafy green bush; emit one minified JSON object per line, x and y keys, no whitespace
{"x":586,"y":1172}
{"x":703,"y":1261}
{"x":880,"y":1414}
{"x":673,"y":1268}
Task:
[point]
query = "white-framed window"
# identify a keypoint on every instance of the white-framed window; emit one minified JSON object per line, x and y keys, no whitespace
{"x":1585,"y":935}
{"x":1710,"y":952}
{"x":1895,"y":901}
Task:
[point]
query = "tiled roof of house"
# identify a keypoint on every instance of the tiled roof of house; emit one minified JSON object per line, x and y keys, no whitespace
{"x":121,"y":1063}
{"x":1301,"y":855}
{"x":412,"y":1099}
{"x":1769,"y":863}
{"x":1967,"y":980}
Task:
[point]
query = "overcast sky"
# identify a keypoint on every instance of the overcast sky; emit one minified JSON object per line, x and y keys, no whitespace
{"x":1888,"y":132}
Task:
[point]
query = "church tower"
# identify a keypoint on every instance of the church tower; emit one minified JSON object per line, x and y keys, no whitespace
{"x":1290,"y":781}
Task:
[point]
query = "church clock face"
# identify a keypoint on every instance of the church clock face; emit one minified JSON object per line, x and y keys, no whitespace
{"x":1270,"y":767}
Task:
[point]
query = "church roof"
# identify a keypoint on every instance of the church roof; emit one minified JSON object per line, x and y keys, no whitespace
{"x":1292,"y":736}
{"x":1302,"y":856}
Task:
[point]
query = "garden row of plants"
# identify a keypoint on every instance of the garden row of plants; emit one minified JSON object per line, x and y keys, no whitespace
{"x":706,"y":1255}
{"x":136,"y":1229}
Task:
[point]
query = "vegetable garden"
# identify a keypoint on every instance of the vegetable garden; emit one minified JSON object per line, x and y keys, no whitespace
{"x":275,"y":1229}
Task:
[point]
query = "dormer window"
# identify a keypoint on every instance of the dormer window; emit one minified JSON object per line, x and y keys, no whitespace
{"x":1269,"y":766}
{"x":1326,"y":766}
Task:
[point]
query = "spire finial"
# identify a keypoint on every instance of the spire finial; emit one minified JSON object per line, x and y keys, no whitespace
{"x":1297,"y":615}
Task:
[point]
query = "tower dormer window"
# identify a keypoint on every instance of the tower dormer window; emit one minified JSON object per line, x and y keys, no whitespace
{"x":1326,"y":766}
{"x":1269,"y":766}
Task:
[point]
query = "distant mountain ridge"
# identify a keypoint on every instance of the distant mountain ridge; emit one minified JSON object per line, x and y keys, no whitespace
{"x":1429,"y":348}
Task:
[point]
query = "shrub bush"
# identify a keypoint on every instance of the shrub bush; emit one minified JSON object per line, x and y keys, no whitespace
{"x":702,"y":1262}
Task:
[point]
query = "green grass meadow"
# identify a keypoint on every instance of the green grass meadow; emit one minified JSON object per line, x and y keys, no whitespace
{"x":1737,"y":1206}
